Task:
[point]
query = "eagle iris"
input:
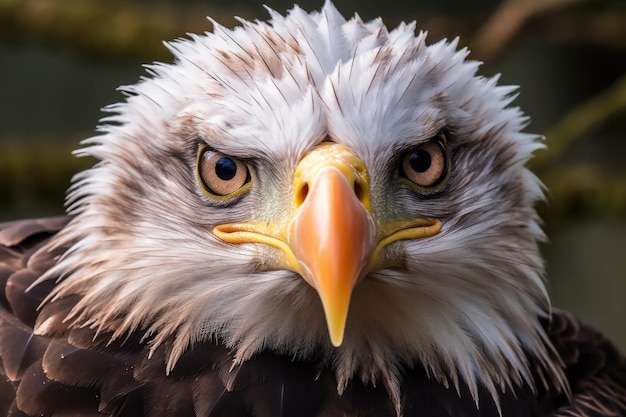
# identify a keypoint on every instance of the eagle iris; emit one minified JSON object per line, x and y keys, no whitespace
{"x":426,"y":166}
{"x":221,"y":175}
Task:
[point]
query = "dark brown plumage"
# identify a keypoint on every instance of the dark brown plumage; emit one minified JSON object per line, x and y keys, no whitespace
{"x":75,"y":372}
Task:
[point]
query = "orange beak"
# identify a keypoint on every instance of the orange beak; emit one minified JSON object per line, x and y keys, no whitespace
{"x":330,"y":239}
{"x":332,"y":236}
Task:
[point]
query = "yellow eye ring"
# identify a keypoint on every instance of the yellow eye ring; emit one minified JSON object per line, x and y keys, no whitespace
{"x":221,"y":176}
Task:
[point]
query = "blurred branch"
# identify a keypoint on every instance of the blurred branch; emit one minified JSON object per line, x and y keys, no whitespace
{"x":581,"y":119}
{"x":507,"y":22}
{"x":129,"y":29}
{"x":32,"y":171}
{"x":118,"y":29}
{"x":606,"y":29}
{"x":583,"y":189}
{"x":599,"y":28}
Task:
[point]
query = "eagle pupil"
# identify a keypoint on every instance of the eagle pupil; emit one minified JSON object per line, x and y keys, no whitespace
{"x":420,"y":161}
{"x":226,"y":169}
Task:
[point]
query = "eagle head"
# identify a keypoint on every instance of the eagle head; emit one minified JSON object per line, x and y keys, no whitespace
{"x":315,"y":186}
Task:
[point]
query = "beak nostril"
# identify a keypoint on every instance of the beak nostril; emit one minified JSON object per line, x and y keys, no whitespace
{"x":359,"y":191}
{"x":302,"y":194}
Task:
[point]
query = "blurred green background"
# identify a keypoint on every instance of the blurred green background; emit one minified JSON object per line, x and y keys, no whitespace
{"x":61,"y":61}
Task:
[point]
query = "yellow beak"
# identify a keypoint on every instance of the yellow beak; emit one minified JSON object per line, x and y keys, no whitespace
{"x":331,"y":239}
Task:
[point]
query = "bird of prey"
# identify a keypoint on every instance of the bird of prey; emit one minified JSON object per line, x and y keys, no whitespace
{"x":309,"y":217}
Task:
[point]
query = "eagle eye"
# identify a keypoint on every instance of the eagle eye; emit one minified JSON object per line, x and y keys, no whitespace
{"x":221,"y":175}
{"x":426,"y":165}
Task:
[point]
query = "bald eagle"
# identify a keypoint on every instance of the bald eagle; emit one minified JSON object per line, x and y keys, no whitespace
{"x":307,"y":217}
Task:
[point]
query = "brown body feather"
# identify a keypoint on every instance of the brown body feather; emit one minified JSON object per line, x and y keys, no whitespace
{"x":77,"y":372}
